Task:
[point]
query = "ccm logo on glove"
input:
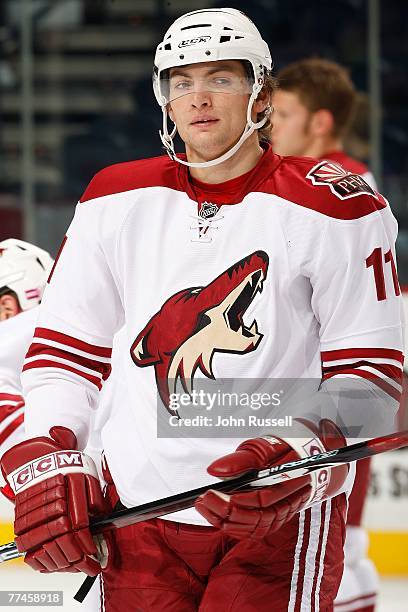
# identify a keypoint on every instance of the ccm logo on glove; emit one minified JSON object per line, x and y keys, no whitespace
{"x":35,"y":469}
{"x":57,"y":493}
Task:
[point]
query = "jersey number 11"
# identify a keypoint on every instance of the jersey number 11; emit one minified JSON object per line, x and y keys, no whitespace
{"x":376,"y":261}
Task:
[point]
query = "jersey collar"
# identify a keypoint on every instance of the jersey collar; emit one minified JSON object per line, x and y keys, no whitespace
{"x":234,"y":190}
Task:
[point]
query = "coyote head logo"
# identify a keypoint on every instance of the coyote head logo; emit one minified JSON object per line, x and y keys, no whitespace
{"x":197,"y":322}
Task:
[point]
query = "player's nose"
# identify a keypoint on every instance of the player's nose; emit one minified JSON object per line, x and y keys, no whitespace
{"x":200,"y":99}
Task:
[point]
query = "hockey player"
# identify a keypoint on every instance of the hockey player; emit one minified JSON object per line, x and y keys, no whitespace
{"x":312,"y":110}
{"x":313,"y":107}
{"x":24,"y":269}
{"x":272,"y":237}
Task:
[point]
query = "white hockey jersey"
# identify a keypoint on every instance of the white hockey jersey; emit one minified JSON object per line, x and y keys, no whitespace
{"x":285,"y":272}
{"x":15,"y":338}
{"x":16,"y":335}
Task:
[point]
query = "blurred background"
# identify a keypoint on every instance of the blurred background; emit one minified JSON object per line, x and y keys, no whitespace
{"x":76,"y":95}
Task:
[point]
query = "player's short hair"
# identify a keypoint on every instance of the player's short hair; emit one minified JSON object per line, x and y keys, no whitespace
{"x":322,"y":84}
{"x":264,"y":133}
{"x":270,"y":84}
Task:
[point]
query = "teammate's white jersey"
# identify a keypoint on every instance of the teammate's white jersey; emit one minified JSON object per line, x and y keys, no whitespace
{"x":15,"y":338}
{"x":288,"y":272}
{"x":16,"y":335}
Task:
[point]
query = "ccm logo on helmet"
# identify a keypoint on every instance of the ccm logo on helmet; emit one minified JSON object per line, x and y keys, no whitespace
{"x":194,"y":41}
{"x":46,"y":464}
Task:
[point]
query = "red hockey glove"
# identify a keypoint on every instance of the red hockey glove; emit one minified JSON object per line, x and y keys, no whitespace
{"x":56,"y":491}
{"x":262,"y":509}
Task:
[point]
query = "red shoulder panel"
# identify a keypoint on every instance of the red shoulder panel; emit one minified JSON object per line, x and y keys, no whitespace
{"x":152,"y":172}
{"x":324,"y":187}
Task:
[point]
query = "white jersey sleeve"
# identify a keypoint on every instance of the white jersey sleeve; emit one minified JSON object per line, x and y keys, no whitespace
{"x":357,"y":301}
{"x":112,"y":397}
{"x":81,"y":310}
{"x":15,"y":337}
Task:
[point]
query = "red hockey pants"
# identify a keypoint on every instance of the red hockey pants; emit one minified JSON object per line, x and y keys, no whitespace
{"x":163,"y":566}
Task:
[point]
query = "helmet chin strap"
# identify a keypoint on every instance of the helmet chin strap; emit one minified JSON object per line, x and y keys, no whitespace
{"x":167,"y":139}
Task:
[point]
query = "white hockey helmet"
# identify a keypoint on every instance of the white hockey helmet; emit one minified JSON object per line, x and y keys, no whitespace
{"x":210,"y":35}
{"x":24,"y":269}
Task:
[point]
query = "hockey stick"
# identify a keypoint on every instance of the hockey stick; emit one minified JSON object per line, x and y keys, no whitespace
{"x":275,"y":474}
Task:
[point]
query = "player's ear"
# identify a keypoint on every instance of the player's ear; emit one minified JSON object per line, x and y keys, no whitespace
{"x":322,"y":122}
{"x":263,"y":100}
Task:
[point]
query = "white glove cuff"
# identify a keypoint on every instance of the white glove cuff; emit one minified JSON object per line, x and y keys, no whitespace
{"x":305,"y":446}
{"x":47,"y":466}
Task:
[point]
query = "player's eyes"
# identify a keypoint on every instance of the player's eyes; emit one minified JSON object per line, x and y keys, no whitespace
{"x":181,"y":85}
{"x":222,"y":81}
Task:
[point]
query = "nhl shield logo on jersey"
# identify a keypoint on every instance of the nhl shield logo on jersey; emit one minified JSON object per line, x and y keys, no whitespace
{"x":197,"y":322}
{"x":208,"y":210}
{"x":343,"y":184}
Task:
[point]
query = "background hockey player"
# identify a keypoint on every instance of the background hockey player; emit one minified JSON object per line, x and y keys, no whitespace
{"x":313,"y":107}
{"x":24,"y":269}
{"x":283,"y":246}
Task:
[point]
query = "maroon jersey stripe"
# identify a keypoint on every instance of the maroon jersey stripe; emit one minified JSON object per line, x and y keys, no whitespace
{"x":11,"y":397}
{"x":46,"y":363}
{"x":43,"y":349}
{"x":390,"y":371}
{"x":362,"y":352}
{"x":11,"y":428}
{"x":380,"y":382}
{"x":8,"y":409}
{"x":70,"y":341}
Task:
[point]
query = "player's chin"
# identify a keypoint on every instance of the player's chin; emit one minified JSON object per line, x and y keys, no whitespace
{"x":209,"y":147}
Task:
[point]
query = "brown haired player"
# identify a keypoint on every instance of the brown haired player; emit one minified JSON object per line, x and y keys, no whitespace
{"x":226,"y":261}
{"x":313,"y":108}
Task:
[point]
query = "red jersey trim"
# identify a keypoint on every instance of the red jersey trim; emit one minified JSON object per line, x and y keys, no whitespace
{"x":357,"y":364}
{"x":10,"y":397}
{"x":44,"y":351}
{"x":380,"y":382}
{"x":362,"y":352}
{"x":8,"y":409}
{"x":153,"y":172}
{"x":284,"y":177}
{"x":70,"y":341}
{"x":48,"y":363}
{"x":11,"y":428}
{"x":390,"y":371}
